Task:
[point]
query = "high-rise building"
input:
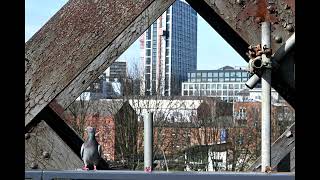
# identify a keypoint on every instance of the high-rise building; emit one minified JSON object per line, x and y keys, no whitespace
{"x":169,"y":50}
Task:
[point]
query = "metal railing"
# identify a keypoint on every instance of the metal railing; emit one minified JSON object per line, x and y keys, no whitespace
{"x":155,"y":175}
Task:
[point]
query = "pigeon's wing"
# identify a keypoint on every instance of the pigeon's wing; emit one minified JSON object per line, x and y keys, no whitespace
{"x":99,"y":150}
{"x":81,"y":152}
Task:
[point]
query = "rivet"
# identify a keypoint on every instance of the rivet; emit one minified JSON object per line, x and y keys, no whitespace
{"x":239,"y":2}
{"x":27,"y":136}
{"x":45,"y":154}
{"x":271,"y":9}
{"x":34,"y":166}
{"x":258,"y":19}
{"x":278,"y":39}
{"x":290,"y":28}
{"x":286,"y":6}
{"x":288,"y":134}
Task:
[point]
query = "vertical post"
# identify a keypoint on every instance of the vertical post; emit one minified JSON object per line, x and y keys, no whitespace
{"x":266,"y":101}
{"x":148,"y":138}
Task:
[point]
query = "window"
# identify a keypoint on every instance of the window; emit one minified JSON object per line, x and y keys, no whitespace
{"x":225,"y":93}
{"x":208,"y":86}
{"x":202,"y":86}
{"x":219,"y":86}
{"x":204,"y":79}
{"x":215,"y":74}
{"x":244,"y":74}
{"x":213,"y":92}
{"x":185,"y":86}
{"x":230,"y":93}
{"x":215,"y":79}
{"x":148,"y":44}
{"x":226,"y":74}
{"x":204,"y":74}
{"x":197,"y":86}
{"x":191,"y":86}
{"x":236,"y":86}
{"x":219,"y":92}
{"x":213,"y":86}
{"x":190,"y":93}
{"x":198,"y":74}
{"x":209,"y":74}
{"x":167,"y":60}
{"x":238,"y":74}
{"x":225,"y":86}
{"x":185,"y":93}
{"x":147,"y":69}
{"x":238,"y":79}
{"x":147,"y":60}
{"x":148,"y":52}
{"x":221,"y":74}
{"x":232,"y":74}
{"x":230,"y":86}
{"x":193,"y":74}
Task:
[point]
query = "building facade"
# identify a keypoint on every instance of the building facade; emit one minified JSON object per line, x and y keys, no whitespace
{"x":169,"y":50}
{"x":224,"y":83}
{"x":110,"y":83}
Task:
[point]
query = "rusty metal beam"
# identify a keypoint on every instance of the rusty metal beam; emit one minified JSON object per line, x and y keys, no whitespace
{"x":70,"y":41}
{"x":112,"y":52}
{"x":238,"y":22}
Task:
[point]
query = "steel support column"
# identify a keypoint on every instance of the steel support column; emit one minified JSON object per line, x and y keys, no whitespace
{"x":266,"y":101}
{"x":148,"y":141}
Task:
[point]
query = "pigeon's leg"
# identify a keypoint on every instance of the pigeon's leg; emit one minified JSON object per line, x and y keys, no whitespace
{"x":85,"y":167}
{"x":94,"y":167}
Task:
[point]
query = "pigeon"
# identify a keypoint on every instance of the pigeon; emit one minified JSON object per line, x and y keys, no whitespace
{"x":90,"y":150}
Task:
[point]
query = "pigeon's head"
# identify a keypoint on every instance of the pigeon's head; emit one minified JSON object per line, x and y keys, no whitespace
{"x":91,"y":131}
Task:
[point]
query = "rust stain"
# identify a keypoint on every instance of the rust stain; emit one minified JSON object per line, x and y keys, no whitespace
{"x":258,"y":9}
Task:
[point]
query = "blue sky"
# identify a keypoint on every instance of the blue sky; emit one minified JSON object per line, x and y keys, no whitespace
{"x":213,"y":51}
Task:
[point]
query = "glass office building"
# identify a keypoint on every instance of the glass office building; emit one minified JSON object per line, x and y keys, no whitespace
{"x":225,"y":83}
{"x":169,"y":50}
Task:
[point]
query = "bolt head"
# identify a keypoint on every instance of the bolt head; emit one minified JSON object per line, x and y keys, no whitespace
{"x":34,"y":165}
{"x":271,"y":9}
{"x":27,"y":136}
{"x":290,"y":28}
{"x":258,"y":20}
{"x":286,"y":6}
{"x":278,"y":39}
{"x":45,"y":154}
{"x":239,"y":1}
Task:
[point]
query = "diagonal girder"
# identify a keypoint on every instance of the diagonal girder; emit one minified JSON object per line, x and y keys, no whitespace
{"x":238,"y":23}
{"x":71,"y":40}
{"x":112,"y":52}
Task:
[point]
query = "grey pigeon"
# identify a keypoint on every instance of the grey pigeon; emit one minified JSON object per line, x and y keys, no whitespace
{"x":90,"y":150}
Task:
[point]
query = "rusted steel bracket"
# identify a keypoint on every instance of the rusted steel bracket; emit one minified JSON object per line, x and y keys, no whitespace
{"x":238,"y":22}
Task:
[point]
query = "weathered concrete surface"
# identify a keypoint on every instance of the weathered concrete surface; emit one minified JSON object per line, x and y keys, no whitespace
{"x":69,"y":42}
{"x":112,"y":52}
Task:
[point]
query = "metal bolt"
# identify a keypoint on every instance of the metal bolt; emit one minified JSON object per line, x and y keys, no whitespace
{"x":278,"y":39}
{"x":27,"y":136}
{"x":288,"y":134}
{"x":239,"y":2}
{"x":34,"y":166}
{"x":258,"y":19}
{"x":284,"y":24}
{"x":45,"y":154}
{"x":271,"y":9}
{"x":290,"y":28}
{"x":286,"y":6}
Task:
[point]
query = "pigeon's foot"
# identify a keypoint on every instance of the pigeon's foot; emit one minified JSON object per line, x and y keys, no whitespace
{"x":85,"y":168}
{"x":94,"y":167}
